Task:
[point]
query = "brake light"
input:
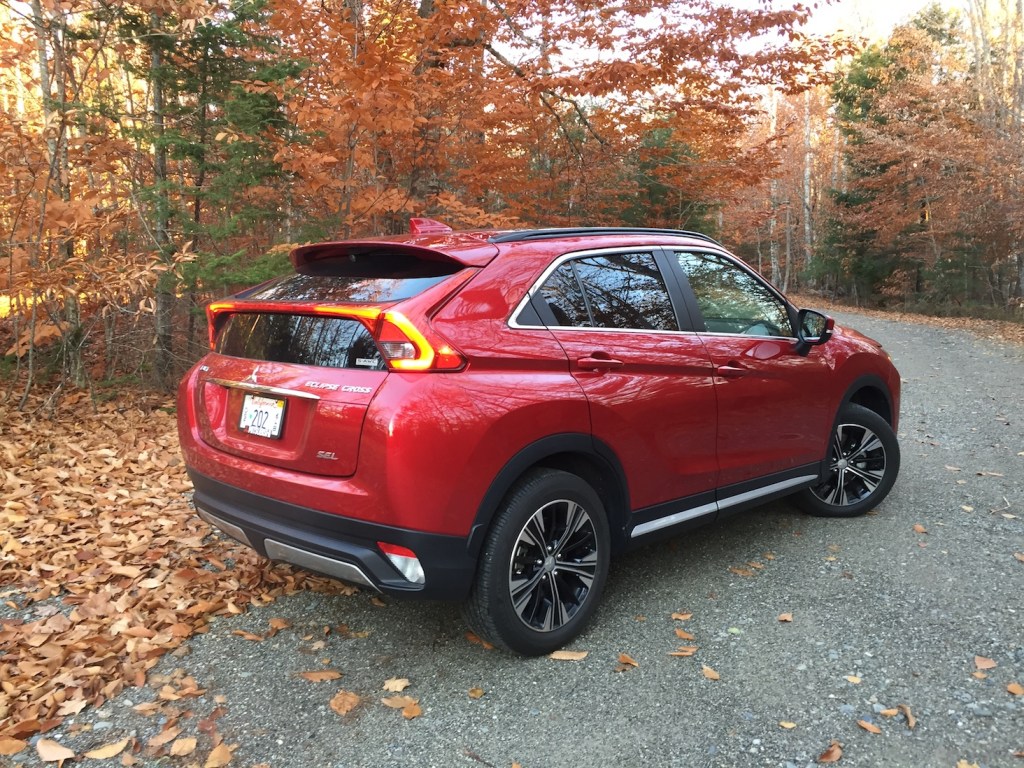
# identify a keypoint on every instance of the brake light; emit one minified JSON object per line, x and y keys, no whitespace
{"x":406,"y":349}
{"x":405,"y":560}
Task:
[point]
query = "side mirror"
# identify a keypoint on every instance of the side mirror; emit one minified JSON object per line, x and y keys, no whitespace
{"x":812,"y":328}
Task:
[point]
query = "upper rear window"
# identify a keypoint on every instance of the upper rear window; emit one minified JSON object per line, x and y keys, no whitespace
{"x":332,"y":342}
{"x":372,"y":277}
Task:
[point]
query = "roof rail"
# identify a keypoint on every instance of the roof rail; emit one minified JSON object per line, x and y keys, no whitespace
{"x":548,"y":234}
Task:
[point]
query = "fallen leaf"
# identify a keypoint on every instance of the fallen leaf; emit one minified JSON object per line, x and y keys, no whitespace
{"x":164,"y":737}
{"x":1019,"y":556}
{"x":378,"y":602}
{"x":626,"y":659}
{"x":979,"y":675}
{"x":108,"y":750}
{"x":476,"y":693}
{"x":684,"y":650}
{"x":344,"y":702}
{"x":966,"y":508}
{"x":412,"y":711}
{"x":682,"y":616}
{"x":911,"y":720}
{"x":682,"y":634}
{"x":785,"y":617}
{"x":183,"y":747}
{"x":1016,"y":689}
{"x":247,"y":635}
{"x":869,"y":727}
{"x":918,"y":528}
{"x":472,"y":637}
{"x":832,"y":754}
{"x":852,"y":679}
{"x":9,"y":746}
{"x":787,"y":725}
{"x":952,"y":469}
{"x":709,"y":673}
{"x":568,"y":655}
{"x":983,"y":662}
{"x":321,"y":675}
{"x":52,"y":752}
{"x":398,"y":702}
{"x":889,"y":712}
{"x":220,"y":756}
{"x":990,"y":474}
{"x":396,"y":684}
{"x":768,"y":555}
{"x":741,"y":571}
{"x":276,"y":625}
{"x":965,"y":764}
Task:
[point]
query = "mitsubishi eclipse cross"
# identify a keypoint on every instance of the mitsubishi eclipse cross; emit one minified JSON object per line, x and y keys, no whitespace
{"x":489,"y":417}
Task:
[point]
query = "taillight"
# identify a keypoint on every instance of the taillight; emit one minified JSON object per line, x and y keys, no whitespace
{"x":402,"y":345}
{"x":405,"y":560}
{"x":406,"y":349}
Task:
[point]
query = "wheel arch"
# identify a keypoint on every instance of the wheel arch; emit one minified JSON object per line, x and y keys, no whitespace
{"x":871,"y":392}
{"x":577,"y":453}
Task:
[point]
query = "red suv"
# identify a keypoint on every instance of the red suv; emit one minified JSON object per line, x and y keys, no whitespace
{"x":491,"y":416}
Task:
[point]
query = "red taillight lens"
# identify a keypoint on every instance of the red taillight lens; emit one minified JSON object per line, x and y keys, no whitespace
{"x":406,"y":349}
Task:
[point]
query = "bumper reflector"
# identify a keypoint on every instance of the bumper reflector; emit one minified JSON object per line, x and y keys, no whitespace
{"x":405,"y":560}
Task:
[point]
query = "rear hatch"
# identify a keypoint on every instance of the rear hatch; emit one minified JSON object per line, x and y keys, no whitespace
{"x":295,"y":362}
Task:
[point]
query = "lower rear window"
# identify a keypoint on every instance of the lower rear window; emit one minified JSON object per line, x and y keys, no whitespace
{"x":330,"y":342}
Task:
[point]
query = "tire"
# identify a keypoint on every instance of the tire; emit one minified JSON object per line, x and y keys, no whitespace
{"x":536,"y":588}
{"x":864,"y":459}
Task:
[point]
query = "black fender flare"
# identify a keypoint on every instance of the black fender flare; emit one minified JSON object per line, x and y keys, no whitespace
{"x":535,"y":454}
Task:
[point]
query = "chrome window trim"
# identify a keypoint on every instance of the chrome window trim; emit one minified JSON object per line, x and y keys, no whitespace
{"x":716,"y":506}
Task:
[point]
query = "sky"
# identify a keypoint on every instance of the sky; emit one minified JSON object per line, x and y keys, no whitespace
{"x":873,"y":19}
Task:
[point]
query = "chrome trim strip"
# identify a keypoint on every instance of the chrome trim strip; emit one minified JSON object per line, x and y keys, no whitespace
{"x":314,"y":562}
{"x":678,"y":517}
{"x":732,"y":501}
{"x":260,"y":389}
{"x":231,"y":530}
{"x":704,"y":509}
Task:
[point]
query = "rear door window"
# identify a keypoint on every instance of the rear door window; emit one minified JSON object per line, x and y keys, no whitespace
{"x":618,"y":290}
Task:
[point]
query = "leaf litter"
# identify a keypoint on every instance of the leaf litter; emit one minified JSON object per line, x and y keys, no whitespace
{"x":104,"y":566}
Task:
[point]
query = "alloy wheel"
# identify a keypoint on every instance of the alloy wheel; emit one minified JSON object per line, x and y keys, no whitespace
{"x":553,"y":566}
{"x":856,"y":466}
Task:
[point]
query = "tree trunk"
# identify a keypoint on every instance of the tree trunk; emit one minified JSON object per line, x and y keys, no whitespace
{"x":807,"y":203}
{"x":164,"y":314}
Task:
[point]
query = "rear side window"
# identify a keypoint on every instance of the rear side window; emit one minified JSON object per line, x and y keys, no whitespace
{"x":331,"y":342}
{"x":621,"y":290}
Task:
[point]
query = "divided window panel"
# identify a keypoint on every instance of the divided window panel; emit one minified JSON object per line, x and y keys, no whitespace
{"x":731,"y":299}
{"x":621,"y":290}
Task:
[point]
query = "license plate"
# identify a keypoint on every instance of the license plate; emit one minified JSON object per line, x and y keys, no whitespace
{"x":262,"y":416}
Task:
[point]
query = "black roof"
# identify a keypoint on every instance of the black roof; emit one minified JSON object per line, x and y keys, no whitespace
{"x":550,"y":234}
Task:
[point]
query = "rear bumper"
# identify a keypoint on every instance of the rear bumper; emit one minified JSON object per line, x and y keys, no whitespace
{"x":335,"y":546}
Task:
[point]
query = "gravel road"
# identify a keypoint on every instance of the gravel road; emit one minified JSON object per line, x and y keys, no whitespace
{"x":887,"y":610}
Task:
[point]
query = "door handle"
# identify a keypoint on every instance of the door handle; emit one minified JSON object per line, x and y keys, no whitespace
{"x":731,"y":371}
{"x":594,"y":363}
